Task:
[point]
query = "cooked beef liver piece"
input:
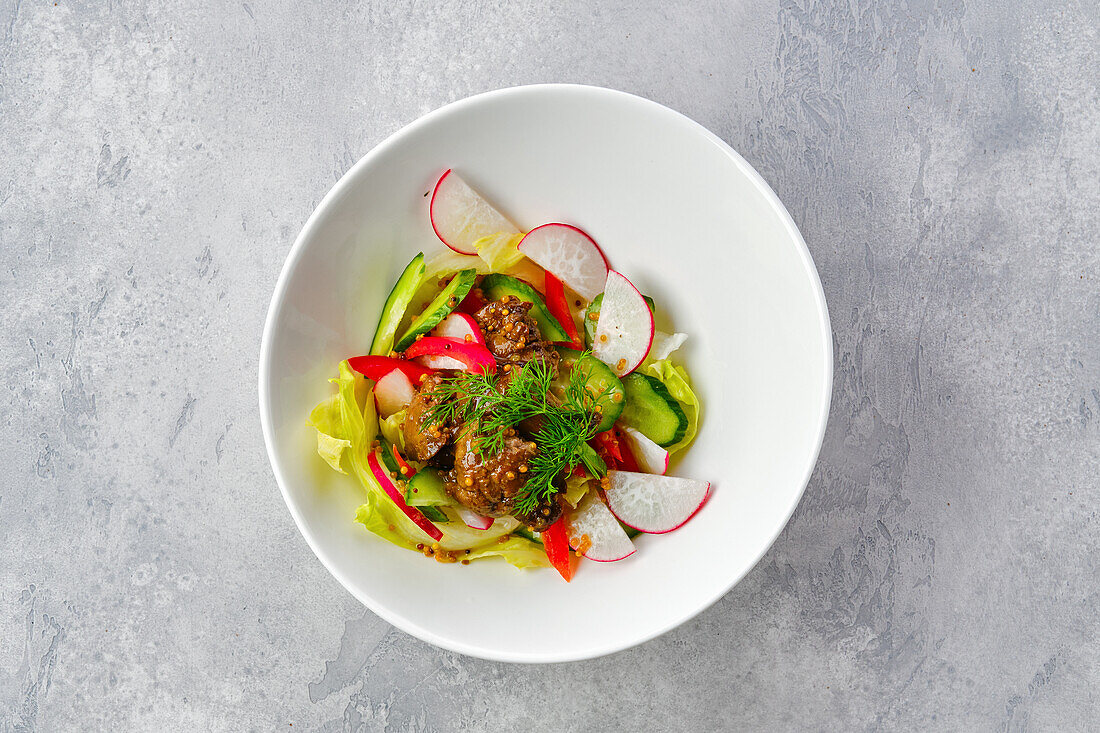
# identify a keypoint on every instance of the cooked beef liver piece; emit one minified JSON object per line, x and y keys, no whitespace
{"x":490,"y":484}
{"x":512,"y":335}
{"x":424,"y":442}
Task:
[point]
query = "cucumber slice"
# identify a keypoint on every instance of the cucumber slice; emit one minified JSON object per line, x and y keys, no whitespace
{"x":527,"y":534}
{"x":598,"y":379}
{"x":441,"y":307}
{"x":592,"y":314}
{"x":497,"y":286}
{"x":396,"y":305}
{"x":650,"y":409}
{"x":426,"y":489}
{"x":433,"y":513}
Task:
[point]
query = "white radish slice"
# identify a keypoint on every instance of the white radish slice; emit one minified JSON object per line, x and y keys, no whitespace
{"x":654,"y":504}
{"x":664,"y":344}
{"x":472,"y":519}
{"x":438,"y":361}
{"x":460,"y":216}
{"x":569,"y":253}
{"x":624,"y":331}
{"x":459,"y":326}
{"x":455,"y":326}
{"x":592,"y":520}
{"x":393,"y":393}
{"x":650,"y":456}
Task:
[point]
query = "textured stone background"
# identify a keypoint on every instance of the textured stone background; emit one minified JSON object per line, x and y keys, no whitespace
{"x":942,"y":158}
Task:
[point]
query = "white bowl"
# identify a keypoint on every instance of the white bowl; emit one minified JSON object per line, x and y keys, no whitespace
{"x":690,"y":223}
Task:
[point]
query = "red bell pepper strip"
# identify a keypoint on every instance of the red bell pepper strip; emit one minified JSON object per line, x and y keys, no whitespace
{"x":556,"y":542}
{"x":473,"y":302}
{"x":477,"y":358}
{"x":559,"y":309}
{"x":376,"y":367}
{"x":628,"y":462}
{"x":403,"y":467}
{"x":395,"y":494}
{"x":614,"y":451}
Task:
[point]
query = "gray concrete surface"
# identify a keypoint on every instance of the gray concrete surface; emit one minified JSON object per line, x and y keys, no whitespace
{"x":157,"y":160}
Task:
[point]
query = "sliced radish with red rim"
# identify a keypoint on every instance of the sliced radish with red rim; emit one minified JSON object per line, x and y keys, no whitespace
{"x":458,"y":326}
{"x":376,"y":367}
{"x":398,"y":498}
{"x":654,"y":504}
{"x":455,"y":327}
{"x":624,"y":331}
{"x":393,"y":393}
{"x":569,"y":253}
{"x":593,"y":527}
{"x":474,"y":358}
{"x":472,"y":519}
{"x":460,"y":216}
{"x":651,"y":457}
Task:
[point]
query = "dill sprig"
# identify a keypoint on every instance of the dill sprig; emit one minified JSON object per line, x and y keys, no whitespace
{"x":564,"y":414}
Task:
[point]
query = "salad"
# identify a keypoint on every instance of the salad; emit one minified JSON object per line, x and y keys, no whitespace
{"x":485,"y":422}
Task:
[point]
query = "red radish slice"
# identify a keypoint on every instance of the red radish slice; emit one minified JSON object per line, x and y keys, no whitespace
{"x":592,"y":520}
{"x":458,"y":326}
{"x":393,"y":393}
{"x":569,"y":253}
{"x":395,"y":494}
{"x":654,"y":504}
{"x":473,"y":358}
{"x":460,"y":216}
{"x":624,"y":331}
{"x":472,"y":519}
{"x":376,"y":367}
{"x":651,"y":457}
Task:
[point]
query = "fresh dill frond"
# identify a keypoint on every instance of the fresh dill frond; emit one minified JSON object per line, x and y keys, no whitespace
{"x":565,"y":422}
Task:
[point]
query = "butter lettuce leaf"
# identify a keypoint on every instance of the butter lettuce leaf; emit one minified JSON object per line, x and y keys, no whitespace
{"x":576,"y":487}
{"x":448,"y":262}
{"x":500,"y":251}
{"x":391,"y":429}
{"x":326,"y":419}
{"x":517,"y":551}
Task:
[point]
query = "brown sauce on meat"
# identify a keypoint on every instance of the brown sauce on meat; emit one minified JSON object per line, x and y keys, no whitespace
{"x":512,"y":335}
{"x":422,"y":441}
{"x":487,"y":484}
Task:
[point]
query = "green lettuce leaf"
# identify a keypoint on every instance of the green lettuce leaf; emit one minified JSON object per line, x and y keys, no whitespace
{"x":500,"y":251}
{"x":377,"y":516}
{"x":457,"y":536}
{"x":379,"y":513}
{"x":495,"y":253}
{"x":326,"y":419}
{"x":449,"y":262}
{"x":676,"y":380}
{"x":391,"y":429}
{"x":346,"y":425}
{"x":575,"y":488}
{"x":518,"y":551}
